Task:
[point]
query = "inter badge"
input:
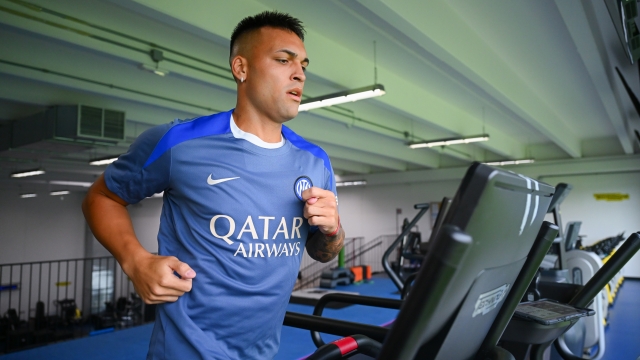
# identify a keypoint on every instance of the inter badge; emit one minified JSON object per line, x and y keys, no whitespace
{"x":301,"y":184}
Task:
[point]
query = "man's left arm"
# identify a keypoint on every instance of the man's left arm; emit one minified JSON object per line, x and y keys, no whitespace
{"x":321,"y":210}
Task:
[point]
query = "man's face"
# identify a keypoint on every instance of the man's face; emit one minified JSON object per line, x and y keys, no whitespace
{"x":276,"y":73}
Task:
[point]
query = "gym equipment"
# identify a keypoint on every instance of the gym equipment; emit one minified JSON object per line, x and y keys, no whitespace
{"x":582,"y":266}
{"x":520,"y":334}
{"x":334,"y":277}
{"x":567,"y":264}
{"x":471,"y":264}
{"x":361,"y":273}
{"x":414,"y":249}
{"x":573,"y":263}
{"x":312,"y":296}
{"x":331,"y":278}
{"x":396,"y":276}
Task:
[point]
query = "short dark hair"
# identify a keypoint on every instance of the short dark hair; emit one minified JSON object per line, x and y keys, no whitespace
{"x":274,"y":19}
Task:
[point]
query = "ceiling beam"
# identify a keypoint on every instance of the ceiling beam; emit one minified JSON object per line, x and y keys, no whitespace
{"x":581,"y":18}
{"x":308,"y":125}
{"x":402,"y":94}
{"x":544,"y":170}
{"x":350,"y":166}
{"x":466,"y":60}
{"x":339,"y":152}
{"x":329,"y":132}
{"x":114,"y":75}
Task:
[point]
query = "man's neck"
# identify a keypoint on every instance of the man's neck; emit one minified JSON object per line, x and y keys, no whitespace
{"x":257,"y":124}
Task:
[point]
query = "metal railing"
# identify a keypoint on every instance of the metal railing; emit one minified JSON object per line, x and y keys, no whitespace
{"x":357,"y":252}
{"x":89,"y":282}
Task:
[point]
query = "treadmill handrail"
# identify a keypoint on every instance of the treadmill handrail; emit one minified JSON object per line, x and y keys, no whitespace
{"x":334,"y":326}
{"x":332,"y":351}
{"x":385,"y":258}
{"x":350,"y":299}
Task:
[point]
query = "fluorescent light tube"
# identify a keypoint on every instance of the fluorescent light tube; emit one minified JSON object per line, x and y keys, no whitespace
{"x":342,"y":97}
{"x":71,"y":183}
{"x":511,"y":162}
{"x":450,"y":141}
{"x":351,"y":183}
{"x":21,"y":174}
{"x":154,"y":69}
{"x":105,"y":161}
{"x":26,"y":196}
{"x":58,"y":193}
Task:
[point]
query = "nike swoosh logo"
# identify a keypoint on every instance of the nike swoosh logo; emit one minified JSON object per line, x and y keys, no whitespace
{"x":211,"y":181}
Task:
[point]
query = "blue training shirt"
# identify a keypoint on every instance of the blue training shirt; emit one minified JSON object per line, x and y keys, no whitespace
{"x":231,"y":210}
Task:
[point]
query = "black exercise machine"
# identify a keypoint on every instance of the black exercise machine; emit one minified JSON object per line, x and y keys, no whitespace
{"x":471,"y":263}
{"x":400,"y":280}
{"x":490,"y":245}
{"x":396,"y":275}
{"x":526,"y":339}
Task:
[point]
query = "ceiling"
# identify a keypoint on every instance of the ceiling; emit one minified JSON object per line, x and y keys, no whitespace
{"x":538,"y":77}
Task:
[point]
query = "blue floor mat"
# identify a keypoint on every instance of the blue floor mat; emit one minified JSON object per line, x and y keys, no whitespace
{"x":622,"y":335}
{"x":127,"y":344}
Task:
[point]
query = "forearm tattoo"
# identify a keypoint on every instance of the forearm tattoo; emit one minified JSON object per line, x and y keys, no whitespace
{"x":323,"y":248}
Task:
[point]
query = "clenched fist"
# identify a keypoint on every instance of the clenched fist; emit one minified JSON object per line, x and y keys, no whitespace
{"x":321,"y":209}
{"x":154,"y":279}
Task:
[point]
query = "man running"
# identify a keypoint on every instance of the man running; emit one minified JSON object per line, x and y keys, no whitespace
{"x":243,"y":196}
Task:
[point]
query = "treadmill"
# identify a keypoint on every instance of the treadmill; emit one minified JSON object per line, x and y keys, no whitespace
{"x":477,"y":269}
{"x":471,"y":264}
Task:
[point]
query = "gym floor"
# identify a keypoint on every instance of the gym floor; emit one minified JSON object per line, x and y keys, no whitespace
{"x":622,"y":334}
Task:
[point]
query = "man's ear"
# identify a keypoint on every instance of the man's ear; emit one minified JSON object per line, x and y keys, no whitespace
{"x":239,"y":67}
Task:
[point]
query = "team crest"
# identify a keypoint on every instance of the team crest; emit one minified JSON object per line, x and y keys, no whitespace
{"x":302,"y":183}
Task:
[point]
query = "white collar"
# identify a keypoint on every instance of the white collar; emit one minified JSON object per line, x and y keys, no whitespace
{"x":239,"y":134}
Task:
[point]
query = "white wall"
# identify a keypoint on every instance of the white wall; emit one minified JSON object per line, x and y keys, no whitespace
{"x":370,"y":211}
{"x":41,"y":228}
{"x":601,"y":219}
{"x":53,"y":227}
{"x":145,"y":217}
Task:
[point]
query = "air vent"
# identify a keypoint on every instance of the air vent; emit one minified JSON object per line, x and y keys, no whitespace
{"x":100,"y":123}
{"x":90,"y":121}
{"x":113,"y":124}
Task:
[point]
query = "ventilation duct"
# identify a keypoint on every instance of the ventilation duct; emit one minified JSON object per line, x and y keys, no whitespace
{"x":60,"y":130}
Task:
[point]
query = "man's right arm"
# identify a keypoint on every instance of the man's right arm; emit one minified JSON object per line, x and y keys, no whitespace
{"x":152,"y":275}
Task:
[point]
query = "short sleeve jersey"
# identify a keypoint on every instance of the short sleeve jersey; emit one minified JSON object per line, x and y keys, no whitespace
{"x":232,"y":211}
